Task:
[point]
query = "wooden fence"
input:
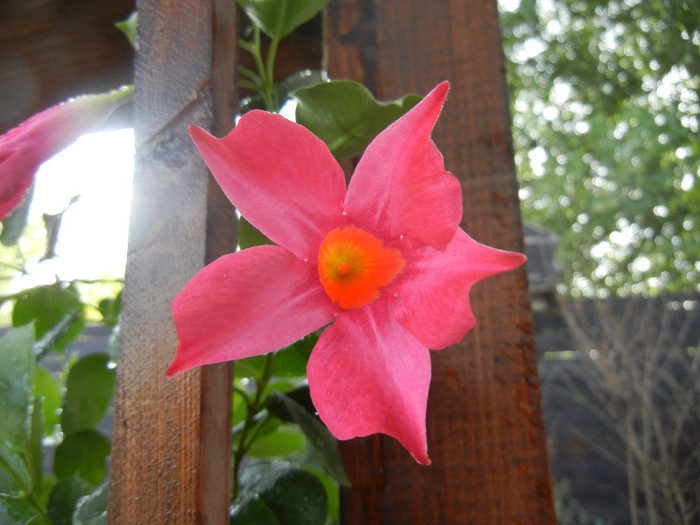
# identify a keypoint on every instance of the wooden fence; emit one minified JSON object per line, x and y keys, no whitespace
{"x":171,"y":451}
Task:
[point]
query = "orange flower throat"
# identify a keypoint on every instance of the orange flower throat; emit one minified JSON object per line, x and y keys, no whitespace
{"x":354,"y":264}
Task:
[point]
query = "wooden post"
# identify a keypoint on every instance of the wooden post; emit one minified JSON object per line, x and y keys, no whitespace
{"x":171,"y":450}
{"x":486,"y":433}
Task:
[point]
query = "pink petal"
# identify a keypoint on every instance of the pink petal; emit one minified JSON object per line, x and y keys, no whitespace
{"x":247,"y":303}
{"x":368,"y":375}
{"x":434,"y":290}
{"x":400,"y":186}
{"x":24,"y":148}
{"x":280,"y":176}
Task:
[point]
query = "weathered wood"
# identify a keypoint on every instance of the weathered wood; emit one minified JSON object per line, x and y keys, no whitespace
{"x":171,"y":450}
{"x":485,"y":427}
{"x":51,"y":50}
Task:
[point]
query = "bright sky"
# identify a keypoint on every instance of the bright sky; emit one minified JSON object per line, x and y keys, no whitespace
{"x":93,"y":236}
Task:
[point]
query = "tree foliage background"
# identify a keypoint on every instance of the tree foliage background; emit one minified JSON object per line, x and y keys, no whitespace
{"x":606,"y":112}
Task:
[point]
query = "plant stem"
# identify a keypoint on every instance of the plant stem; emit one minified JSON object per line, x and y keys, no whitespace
{"x":251,"y":427}
{"x":269,"y":77}
{"x":265,"y":66}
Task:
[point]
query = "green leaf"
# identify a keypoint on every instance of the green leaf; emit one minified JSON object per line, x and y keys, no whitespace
{"x":92,"y":509}
{"x":46,"y":388}
{"x":290,"y":494}
{"x":83,"y":453}
{"x":253,"y":510}
{"x":291,"y":361}
{"x":278,"y":18}
{"x":320,"y":439}
{"x":13,"y":226}
{"x":89,"y":392}
{"x":332,"y":493}
{"x":249,"y":235}
{"x":281,"y":91}
{"x":14,"y":476}
{"x":348,"y":127}
{"x":16,"y":378}
{"x":299,"y":394}
{"x":14,"y":512}
{"x":128,"y":27}
{"x":51,"y":307}
{"x":284,"y":440}
{"x":64,"y":497}
{"x":110,"y":308}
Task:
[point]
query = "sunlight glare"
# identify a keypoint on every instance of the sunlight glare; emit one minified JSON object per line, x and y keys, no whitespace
{"x":92,"y":241}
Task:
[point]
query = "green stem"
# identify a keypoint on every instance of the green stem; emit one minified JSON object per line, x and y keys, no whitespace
{"x":251,"y":427}
{"x":270,"y":74}
{"x":266,"y":68}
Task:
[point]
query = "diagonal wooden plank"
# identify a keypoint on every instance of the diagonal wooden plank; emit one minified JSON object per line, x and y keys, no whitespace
{"x":171,"y":451}
{"x":485,"y":427}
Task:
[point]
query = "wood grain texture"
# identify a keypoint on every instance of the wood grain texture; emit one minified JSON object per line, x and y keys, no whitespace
{"x":486,"y":433}
{"x":171,"y":450}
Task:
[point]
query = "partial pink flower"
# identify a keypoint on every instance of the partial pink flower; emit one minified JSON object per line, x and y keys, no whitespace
{"x":383,"y":263}
{"x":24,"y":148}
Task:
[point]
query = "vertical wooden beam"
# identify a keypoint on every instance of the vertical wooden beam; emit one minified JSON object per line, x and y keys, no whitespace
{"x":485,"y":427}
{"x":171,"y":452}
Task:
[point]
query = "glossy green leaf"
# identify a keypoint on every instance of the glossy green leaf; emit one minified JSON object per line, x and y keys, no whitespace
{"x":281,"y":91}
{"x":332,"y":493}
{"x":89,"y":392}
{"x":14,"y":476}
{"x":14,"y":512}
{"x":253,"y":510}
{"x":53,"y":307}
{"x":267,"y":426}
{"x":64,"y":497}
{"x":291,"y":361}
{"x":292,"y":495}
{"x":278,"y":18}
{"x":249,"y":235}
{"x":48,"y":389}
{"x":320,"y":439}
{"x":16,"y":379}
{"x":345,"y":115}
{"x":284,"y":440}
{"x":83,"y":453}
{"x":299,"y":394}
{"x":92,"y":509}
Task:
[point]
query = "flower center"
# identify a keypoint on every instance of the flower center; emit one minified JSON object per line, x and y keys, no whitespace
{"x":354,"y":264}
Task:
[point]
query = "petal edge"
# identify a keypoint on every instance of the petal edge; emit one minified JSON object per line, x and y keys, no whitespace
{"x":368,"y":375}
{"x":400,"y":186}
{"x":270,"y":168}
{"x":434,"y":292}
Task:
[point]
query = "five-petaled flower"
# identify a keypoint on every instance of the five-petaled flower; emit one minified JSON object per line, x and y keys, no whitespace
{"x":384,"y":263}
{"x":24,"y":148}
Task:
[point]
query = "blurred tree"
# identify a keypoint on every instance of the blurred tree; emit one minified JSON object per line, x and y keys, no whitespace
{"x":606,"y":111}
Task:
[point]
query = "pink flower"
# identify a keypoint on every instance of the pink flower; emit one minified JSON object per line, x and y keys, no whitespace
{"x":24,"y":148}
{"x":384,"y":263}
